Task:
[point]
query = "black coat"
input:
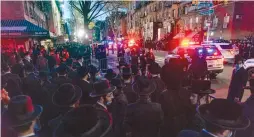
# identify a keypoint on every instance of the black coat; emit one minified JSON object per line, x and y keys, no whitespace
{"x":118,"y":112}
{"x":32,"y":88}
{"x":19,"y":70}
{"x":86,"y":88}
{"x":61,"y":80}
{"x":238,"y":81}
{"x":130,"y":94}
{"x":106,"y":125}
{"x":160,"y":86}
{"x":14,"y":84}
{"x":143,"y":119}
{"x":178,"y":111}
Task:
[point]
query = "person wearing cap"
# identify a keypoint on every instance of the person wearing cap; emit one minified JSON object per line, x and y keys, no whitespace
{"x":175,"y":100}
{"x":219,"y":122}
{"x":144,"y":117}
{"x":62,"y":76}
{"x":22,"y":116}
{"x":84,"y":83}
{"x":238,"y":80}
{"x":118,"y":107}
{"x":103,"y":93}
{"x":248,"y":111}
{"x":126,"y":74}
{"x":83,"y":121}
{"x":154,"y":70}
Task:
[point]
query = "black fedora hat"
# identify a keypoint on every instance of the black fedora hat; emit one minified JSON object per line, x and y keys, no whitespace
{"x":144,"y":86}
{"x":201,"y":87}
{"x":93,"y":70}
{"x":102,"y":87}
{"x":83,"y":71}
{"x":66,"y":95}
{"x":84,"y":121}
{"x":126,"y":71}
{"x":224,"y":113}
{"x":117,"y":82}
{"x":110,"y":74}
{"x":154,"y":68}
{"x":21,"y":111}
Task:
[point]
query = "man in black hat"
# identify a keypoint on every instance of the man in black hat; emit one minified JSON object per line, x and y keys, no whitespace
{"x":95,"y":73}
{"x":61,"y":76}
{"x":79,"y":62}
{"x":83,"y":121}
{"x":22,"y":116}
{"x":248,"y":112}
{"x":118,"y":107}
{"x":219,"y":122}
{"x":84,"y":83}
{"x":154,"y":70}
{"x":110,"y":74}
{"x":64,"y":99}
{"x":126,"y":73}
{"x":143,"y":118}
{"x":238,"y":80}
{"x":13,"y":81}
{"x":103,"y":93}
{"x":175,"y":101}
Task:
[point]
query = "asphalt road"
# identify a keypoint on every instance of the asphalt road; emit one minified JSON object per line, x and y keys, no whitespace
{"x":220,"y":84}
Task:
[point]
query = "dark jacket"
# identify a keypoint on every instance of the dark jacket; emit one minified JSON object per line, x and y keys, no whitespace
{"x":143,"y":119}
{"x":107,"y":120}
{"x":248,"y":111}
{"x":19,"y":70}
{"x":238,"y":81}
{"x":118,"y":112}
{"x":61,"y":80}
{"x":130,"y":94}
{"x":32,"y":88}
{"x":42,"y":64}
{"x":178,"y":111}
{"x":13,"y":84}
{"x":86,"y":88}
{"x":51,"y":62}
{"x":160,"y":86}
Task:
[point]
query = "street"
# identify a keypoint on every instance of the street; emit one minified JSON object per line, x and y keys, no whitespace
{"x":220,"y":84}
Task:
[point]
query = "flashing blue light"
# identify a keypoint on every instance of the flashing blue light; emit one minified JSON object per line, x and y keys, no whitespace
{"x":210,"y":50}
{"x":200,"y":50}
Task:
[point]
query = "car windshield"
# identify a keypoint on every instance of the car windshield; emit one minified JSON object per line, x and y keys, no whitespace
{"x":229,"y":46}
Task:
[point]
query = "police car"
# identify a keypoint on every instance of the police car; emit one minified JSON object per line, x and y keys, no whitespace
{"x":214,"y":57}
{"x":249,"y":66}
{"x":226,"y":49}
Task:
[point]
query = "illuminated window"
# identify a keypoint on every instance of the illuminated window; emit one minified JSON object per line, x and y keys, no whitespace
{"x":226,"y":21}
{"x":215,"y":22}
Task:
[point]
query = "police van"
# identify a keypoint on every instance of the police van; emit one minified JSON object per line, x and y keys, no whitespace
{"x":214,"y":57}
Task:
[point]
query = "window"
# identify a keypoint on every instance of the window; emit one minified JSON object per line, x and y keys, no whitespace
{"x":191,"y":23}
{"x":185,"y":10}
{"x":215,"y":22}
{"x":226,"y":21}
{"x":196,"y":19}
{"x":229,"y":46}
{"x":174,"y":13}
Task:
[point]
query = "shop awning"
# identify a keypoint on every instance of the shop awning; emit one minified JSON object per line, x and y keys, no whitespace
{"x":21,"y":28}
{"x":179,"y":35}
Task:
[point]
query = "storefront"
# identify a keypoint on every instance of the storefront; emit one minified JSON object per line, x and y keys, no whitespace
{"x":21,"y":33}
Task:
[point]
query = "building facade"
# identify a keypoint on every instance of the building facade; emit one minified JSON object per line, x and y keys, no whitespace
{"x":156,"y":20}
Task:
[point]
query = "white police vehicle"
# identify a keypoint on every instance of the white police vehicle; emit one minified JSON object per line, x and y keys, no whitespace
{"x":249,"y":66}
{"x":214,"y":58}
{"x":227,"y":49}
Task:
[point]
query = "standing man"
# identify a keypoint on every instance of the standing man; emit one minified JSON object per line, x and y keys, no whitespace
{"x":103,"y":92}
{"x":238,"y":80}
{"x":143,"y":118}
{"x":22,"y":116}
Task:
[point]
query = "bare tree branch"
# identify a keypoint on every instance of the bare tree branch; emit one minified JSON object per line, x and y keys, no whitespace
{"x":75,"y":7}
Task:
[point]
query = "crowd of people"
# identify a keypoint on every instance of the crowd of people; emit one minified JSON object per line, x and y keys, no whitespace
{"x":246,"y":47}
{"x":69,"y":98}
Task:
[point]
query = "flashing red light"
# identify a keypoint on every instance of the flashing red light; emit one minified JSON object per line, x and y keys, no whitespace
{"x":131,"y":42}
{"x":185,"y":42}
